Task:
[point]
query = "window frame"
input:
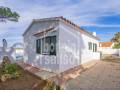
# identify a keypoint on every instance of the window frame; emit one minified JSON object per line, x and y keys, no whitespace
{"x":94,"y":47}
{"x":38,"y":42}
{"x":90,"y":45}
{"x":41,"y":45}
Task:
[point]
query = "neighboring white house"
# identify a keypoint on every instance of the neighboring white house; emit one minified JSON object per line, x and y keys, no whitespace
{"x":107,"y":48}
{"x":57,"y":44}
{"x":106,"y":45}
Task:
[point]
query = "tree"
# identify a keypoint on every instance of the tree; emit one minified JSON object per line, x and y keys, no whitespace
{"x":117,"y":46}
{"x":116,"y":38}
{"x":7,"y":15}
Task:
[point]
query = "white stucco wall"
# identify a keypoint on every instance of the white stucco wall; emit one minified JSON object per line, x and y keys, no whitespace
{"x":86,"y":54}
{"x":69,"y":47}
{"x":72,"y":47}
{"x":38,"y":60}
{"x":109,"y":51}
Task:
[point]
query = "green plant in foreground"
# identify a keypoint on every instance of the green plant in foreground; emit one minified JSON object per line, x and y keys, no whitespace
{"x":9,"y":71}
{"x":12,"y":69}
{"x":52,"y":86}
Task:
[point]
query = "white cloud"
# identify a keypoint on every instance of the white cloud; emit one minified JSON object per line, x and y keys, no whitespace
{"x":83,"y":12}
{"x":101,"y":25}
{"x":106,"y":34}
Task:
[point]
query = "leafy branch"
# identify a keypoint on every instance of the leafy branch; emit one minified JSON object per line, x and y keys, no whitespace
{"x":7,"y":14}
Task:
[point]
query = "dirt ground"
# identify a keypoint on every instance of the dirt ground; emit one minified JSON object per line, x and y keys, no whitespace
{"x":26,"y":82}
{"x":105,"y":75}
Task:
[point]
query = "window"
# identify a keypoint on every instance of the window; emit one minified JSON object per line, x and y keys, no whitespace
{"x":94,"y":47}
{"x":90,"y":45}
{"x":53,"y":45}
{"x":38,"y":46}
{"x":47,"y":45}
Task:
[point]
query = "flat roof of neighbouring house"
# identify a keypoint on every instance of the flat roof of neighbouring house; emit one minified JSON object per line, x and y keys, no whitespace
{"x":66,"y":21}
{"x":105,"y":44}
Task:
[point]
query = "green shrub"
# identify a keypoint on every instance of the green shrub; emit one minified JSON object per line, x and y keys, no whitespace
{"x":8,"y":70}
{"x":12,"y":69}
{"x":117,"y":46}
{"x":51,"y":86}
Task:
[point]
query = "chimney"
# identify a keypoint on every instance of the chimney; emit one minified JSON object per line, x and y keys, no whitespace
{"x":94,"y":33}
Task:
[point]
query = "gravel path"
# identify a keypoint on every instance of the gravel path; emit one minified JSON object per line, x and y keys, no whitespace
{"x":103,"y":76}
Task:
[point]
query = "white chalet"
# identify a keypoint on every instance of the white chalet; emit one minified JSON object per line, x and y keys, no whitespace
{"x":57,"y":44}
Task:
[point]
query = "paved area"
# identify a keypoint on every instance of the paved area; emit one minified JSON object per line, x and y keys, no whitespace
{"x":72,"y":73}
{"x":105,"y":75}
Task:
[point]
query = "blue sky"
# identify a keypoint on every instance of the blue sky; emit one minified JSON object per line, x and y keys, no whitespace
{"x":101,"y":16}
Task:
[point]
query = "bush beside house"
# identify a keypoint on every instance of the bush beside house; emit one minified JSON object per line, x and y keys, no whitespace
{"x":8,"y":70}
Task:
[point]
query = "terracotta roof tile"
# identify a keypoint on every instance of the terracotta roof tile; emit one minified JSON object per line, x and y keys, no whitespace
{"x":106,"y":44}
